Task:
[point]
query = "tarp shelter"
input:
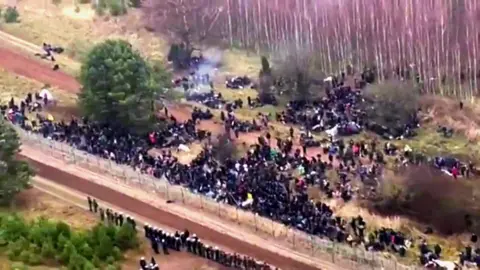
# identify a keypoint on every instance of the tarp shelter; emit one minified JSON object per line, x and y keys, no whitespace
{"x":46,"y":93}
{"x":333,"y":132}
{"x":446,"y":265}
{"x":184,"y":148}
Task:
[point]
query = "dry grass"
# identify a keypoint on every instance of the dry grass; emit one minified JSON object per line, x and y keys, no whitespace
{"x":18,"y":87}
{"x":33,"y":204}
{"x":451,"y":245}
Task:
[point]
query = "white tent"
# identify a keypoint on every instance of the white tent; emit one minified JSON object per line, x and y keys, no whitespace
{"x":46,"y":93}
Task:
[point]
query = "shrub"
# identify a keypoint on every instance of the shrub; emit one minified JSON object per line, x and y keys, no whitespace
{"x":136,"y":3}
{"x":105,"y":248}
{"x":117,"y":7}
{"x":48,"y":250}
{"x":19,"y":266}
{"x":428,"y":196}
{"x":84,"y":1}
{"x":11,"y":15}
{"x":392,"y":103}
{"x":223,"y":148}
{"x":24,"y":256}
{"x":126,"y":237}
{"x":100,"y":7}
{"x":56,"y":2}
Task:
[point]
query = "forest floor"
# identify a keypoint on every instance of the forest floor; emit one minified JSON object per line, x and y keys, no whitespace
{"x":47,"y":202}
{"x":75,"y":31}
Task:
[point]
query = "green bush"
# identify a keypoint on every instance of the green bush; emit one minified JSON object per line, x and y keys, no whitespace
{"x":11,"y":15}
{"x":117,"y":7}
{"x":18,"y":266}
{"x":100,"y":6}
{"x":41,"y":240}
{"x":48,"y":250}
{"x":84,"y":1}
{"x":125,"y":237}
{"x":136,"y":3}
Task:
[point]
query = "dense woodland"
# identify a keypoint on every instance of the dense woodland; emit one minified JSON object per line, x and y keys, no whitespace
{"x":438,"y":40}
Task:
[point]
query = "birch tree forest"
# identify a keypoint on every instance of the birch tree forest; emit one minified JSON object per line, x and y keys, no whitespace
{"x":437,"y":40}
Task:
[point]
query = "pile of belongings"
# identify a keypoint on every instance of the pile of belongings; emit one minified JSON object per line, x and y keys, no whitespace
{"x":238,"y":82}
{"x":209,"y":99}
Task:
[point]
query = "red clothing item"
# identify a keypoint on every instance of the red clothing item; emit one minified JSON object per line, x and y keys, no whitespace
{"x":455,"y":172}
{"x":152,"y":138}
{"x":356,"y":149}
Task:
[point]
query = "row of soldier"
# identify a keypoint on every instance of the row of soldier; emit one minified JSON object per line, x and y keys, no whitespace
{"x":163,"y":241}
{"x":192,"y":244}
{"x":112,"y":217}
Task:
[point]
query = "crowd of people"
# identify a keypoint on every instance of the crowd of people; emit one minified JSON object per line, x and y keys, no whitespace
{"x":163,"y":242}
{"x":264,"y":180}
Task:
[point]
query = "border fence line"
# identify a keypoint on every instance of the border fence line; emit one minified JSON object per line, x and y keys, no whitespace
{"x":338,"y":253}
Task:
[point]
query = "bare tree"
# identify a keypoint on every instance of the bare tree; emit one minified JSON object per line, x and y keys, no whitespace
{"x":189,"y":22}
{"x":442,"y":45}
{"x":298,"y":75}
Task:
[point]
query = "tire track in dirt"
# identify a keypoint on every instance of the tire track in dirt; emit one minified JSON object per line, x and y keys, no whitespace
{"x":143,"y":209}
{"x":22,"y":65}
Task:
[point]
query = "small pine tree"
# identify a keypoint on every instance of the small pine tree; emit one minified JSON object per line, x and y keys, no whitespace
{"x":126,"y":237}
{"x":117,"y":7}
{"x":11,"y":15}
{"x":48,"y":250}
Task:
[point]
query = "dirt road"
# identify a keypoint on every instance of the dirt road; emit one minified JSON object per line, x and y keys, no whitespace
{"x":41,"y":72}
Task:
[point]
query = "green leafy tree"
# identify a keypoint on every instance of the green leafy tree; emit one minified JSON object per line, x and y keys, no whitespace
{"x":117,"y":86}
{"x":15,"y":175}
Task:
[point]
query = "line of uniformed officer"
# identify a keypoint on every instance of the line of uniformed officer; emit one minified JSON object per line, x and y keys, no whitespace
{"x":112,"y":217}
{"x":194,"y":245}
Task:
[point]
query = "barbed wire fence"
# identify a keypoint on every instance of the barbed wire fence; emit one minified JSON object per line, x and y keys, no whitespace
{"x":337,"y":253}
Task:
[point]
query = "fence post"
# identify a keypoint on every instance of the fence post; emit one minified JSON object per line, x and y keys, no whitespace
{"x":166,"y":190}
{"x":333,"y":252}
{"x":255,"y":221}
{"x":183,"y":196}
{"x":219,"y":210}
{"x":273,"y":228}
{"x":293,"y":237}
{"x":313,"y":244}
{"x":201,"y":201}
{"x":236,"y":214}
